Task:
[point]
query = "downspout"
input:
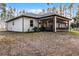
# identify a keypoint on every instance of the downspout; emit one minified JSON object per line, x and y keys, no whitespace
{"x":23,"y":24}
{"x":6,"y":26}
{"x":38,"y":22}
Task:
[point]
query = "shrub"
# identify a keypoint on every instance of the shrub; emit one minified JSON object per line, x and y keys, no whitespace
{"x":73,"y":25}
{"x":77,"y":25}
{"x":42,"y":28}
{"x":36,"y":29}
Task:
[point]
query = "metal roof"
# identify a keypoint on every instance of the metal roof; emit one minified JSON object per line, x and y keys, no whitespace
{"x":36,"y":16}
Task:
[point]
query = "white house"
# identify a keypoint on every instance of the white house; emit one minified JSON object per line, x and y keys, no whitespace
{"x":25,"y":23}
{"x":22,"y":24}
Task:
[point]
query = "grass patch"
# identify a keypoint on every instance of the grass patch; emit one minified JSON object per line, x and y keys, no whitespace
{"x":76,"y":33}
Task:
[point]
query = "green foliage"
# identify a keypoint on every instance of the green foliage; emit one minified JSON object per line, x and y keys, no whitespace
{"x":75,"y":25}
{"x":42,"y":28}
{"x":3,"y":8}
{"x":2,"y":5}
{"x":75,"y":33}
{"x":36,"y":29}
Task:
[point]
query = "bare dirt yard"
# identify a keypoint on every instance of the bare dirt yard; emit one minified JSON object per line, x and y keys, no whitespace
{"x":38,"y":44}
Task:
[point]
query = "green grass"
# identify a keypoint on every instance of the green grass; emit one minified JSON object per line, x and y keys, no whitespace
{"x":76,"y":33}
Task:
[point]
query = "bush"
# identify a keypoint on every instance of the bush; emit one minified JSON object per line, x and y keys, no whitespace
{"x":36,"y":29}
{"x":42,"y":28}
{"x":73,"y":25}
{"x":77,"y":25}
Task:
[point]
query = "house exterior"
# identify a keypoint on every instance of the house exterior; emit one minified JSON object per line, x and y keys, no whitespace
{"x":2,"y":25}
{"x":50,"y":22}
{"x":22,"y":24}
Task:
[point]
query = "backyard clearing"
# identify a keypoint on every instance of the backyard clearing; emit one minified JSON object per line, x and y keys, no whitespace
{"x":39,"y":44}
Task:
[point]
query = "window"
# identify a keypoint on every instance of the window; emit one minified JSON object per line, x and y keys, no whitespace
{"x":31,"y":23}
{"x":13,"y":23}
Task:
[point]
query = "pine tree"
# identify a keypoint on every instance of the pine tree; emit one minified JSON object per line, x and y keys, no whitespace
{"x":3,"y":10}
{"x":71,"y":8}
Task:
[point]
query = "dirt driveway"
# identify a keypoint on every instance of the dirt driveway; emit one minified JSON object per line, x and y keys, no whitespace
{"x":38,"y":44}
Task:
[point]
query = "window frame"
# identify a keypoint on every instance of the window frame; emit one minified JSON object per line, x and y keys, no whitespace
{"x":31,"y":23}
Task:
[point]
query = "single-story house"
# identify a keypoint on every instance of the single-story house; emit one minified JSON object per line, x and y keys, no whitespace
{"x":25,"y":23}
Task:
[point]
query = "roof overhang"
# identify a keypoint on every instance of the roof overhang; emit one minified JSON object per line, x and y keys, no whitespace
{"x":39,"y":18}
{"x":21,"y":17}
{"x":58,"y":16}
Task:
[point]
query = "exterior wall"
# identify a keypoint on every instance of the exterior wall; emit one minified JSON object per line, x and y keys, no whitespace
{"x":22,"y":25}
{"x":27,"y":24}
{"x":2,"y":25}
{"x":17,"y":25}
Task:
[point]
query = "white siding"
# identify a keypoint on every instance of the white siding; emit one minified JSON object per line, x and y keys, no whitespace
{"x":17,"y":25}
{"x":27,"y":24}
{"x":2,"y":25}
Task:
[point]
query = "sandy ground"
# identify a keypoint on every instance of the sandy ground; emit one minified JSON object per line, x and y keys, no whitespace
{"x":38,"y":44}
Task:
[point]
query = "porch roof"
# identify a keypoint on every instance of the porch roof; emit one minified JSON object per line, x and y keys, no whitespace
{"x":48,"y":16}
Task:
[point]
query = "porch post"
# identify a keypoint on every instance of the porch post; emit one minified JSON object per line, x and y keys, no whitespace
{"x":39,"y":23}
{"x":68,"y":25}
{"x":55,"y":20}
